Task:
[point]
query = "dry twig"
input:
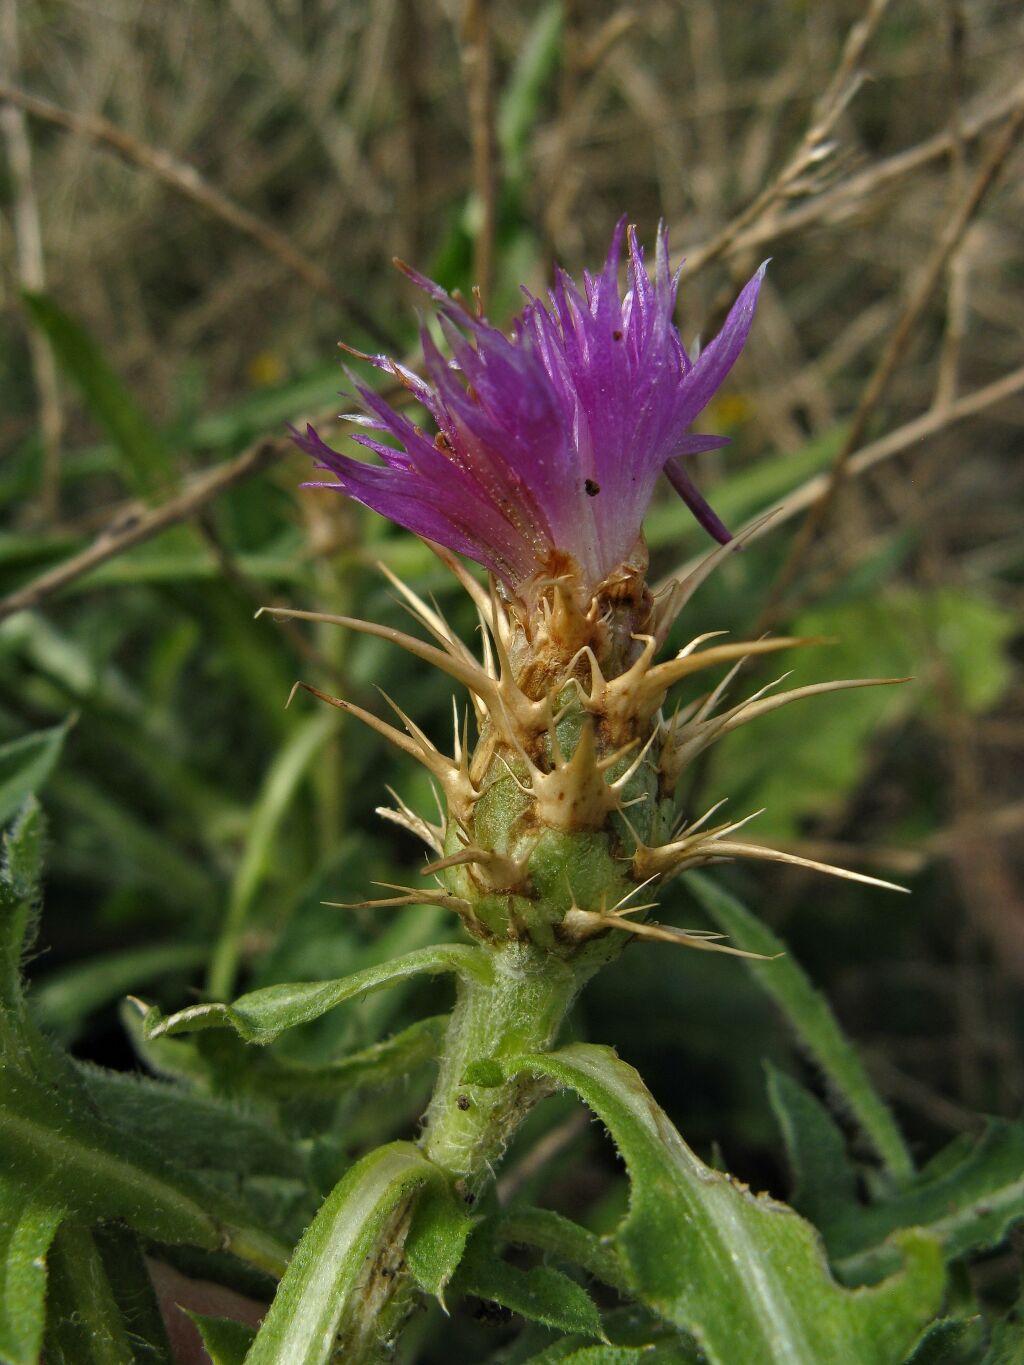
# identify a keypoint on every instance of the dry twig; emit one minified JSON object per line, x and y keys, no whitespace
{"x":185,"y":180}
{"x":893,"y":443}
{"x":29,"y":241}
{"x":854,"y":191}
{"x":879,"y":382}
{"x":127,"y":532}
{"x":814,"y":148}
{"x":478,"y":65}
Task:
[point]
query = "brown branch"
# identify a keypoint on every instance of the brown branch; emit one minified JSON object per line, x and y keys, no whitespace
{"x":28,"y":241}
{"x":478,"y":65}
{"x":814,"y":147}
{"x":849,"y":193}
{"x":878,"y":384}
{"x":893,"y":443}
{"x":127,"y":532}
{"x":185,"y":180}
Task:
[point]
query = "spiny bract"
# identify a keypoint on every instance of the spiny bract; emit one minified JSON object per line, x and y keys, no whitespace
{"x":563,"y":814}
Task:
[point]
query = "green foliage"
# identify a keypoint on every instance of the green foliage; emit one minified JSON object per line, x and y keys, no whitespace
{"x":25,"y":764}
{"x":540,"y":1294}
{"x":437,"y":1239}
{"x":565,"y":1240}
{"x":261,"y":1016}
{"x":824,"y":1184}
{"x":950,"y":645}
{"x":227,"y":1342}
{"x":950,"y":1342}
{"x":744,"y":1275}
{"x":146,"y":462}
{"x":84,"y":1325}
{"x":124,"y":1261}
{"x":328,"y":1262}
{"x":968,"y":1200}
{"x":811,"y":1018}
{"x":28,"y":1224}
{"x":1007,"y":1344}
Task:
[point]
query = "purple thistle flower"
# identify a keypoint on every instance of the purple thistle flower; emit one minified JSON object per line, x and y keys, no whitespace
{"x":553,"y":439}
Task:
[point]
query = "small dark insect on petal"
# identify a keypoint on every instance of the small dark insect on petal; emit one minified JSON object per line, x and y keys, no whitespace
{"x":592,"y":488}
{"x":616,"y":335}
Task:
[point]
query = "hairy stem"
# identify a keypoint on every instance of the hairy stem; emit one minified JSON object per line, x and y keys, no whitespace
{"x":473,"y":1112}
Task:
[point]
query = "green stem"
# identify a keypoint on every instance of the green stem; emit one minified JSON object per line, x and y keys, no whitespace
{"x":473,"y":1111}
{"x":517,"y":1008}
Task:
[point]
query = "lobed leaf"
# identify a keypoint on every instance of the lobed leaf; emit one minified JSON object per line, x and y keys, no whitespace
{"x":811,"y":1018}
{"x":84,"y":1325}
{"x":824,"y":1185}
{"x":326,"y":1268}
{"x":1007,"y":1344}
{"x":132,"y":1287}
{"x":260,"y":1016}
{"x":540,"y":1294}
{"x":52,"y":1141}
{"x":227,"y":1342}
{"x":950,"y":1341}
{"x":25,"y":764}
{"x":28,"y":1224}
{"x":745,"y":1276}
{"x":968,"y":1206}
{"x":437,"y":1239}
{"x":561,"y":1237}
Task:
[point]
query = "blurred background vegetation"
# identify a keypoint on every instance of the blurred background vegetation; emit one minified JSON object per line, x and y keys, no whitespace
{"x":198,"y":200}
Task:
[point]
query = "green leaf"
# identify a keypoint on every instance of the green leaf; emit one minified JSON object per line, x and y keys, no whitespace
{"x":404,"y":1054}
{"x":811,"y":1018}
{"x":198,"y":1132}
{"x":20,"y":871}
{"x":745,"y":1276}
{"x":485,"y":1072}
{"x":824,"y":1185}
{"x":558,"y":1236}
{"x":61,"y":1000}
{"x":133,"y":1291}
{"x":84,"y":1325}
{"x":25,"y":764}
{"x":28,"y":1225}
{"x":540,"y":1294}
{"x":60,"y":1148}
{"x":595,"y":1355}
{"x":227,"y":1342}
{"x":437,"y":1239}
{"x":950,"y":1342}
{"x":147,"y":462}
{"x":520,"y":102}
{"x":328,"y":1263}
{"x":966,"y":1207}
{"x":629,"y":1328}
{"x":1007,"y":1344}
{"x":276,"y":797}
{"x":21,"y":1043}
{"x":891,"y":632}
{"x":262,"y":1015}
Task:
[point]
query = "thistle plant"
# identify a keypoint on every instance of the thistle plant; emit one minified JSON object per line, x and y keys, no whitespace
{"x":560,"y":832}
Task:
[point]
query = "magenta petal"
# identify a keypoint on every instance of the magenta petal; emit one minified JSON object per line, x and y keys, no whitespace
{"x":718,"y":357}
{"x":701,"y":509}
{"x":551,"y":437}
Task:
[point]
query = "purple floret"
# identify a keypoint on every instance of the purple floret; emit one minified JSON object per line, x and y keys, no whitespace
{"x":552,"y":439}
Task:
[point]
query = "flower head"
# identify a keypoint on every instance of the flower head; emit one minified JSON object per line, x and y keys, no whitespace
{"x":549,"y":441}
